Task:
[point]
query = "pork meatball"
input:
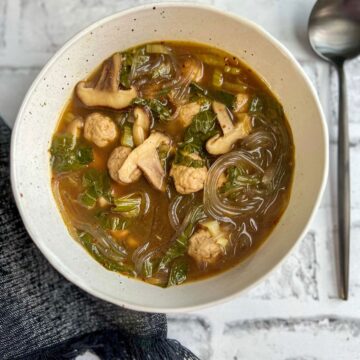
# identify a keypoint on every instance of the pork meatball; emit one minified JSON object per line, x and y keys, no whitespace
{"x":116,"y":160}
{"x":188,"y":179}
{"x":204,"y":248}
{"x":100,"y":129}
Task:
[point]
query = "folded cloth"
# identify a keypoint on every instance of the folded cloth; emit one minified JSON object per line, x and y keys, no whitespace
{"x":43,"y":316}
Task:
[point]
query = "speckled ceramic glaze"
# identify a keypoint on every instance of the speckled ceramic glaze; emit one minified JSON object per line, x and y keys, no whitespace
{"x":41,"y":109}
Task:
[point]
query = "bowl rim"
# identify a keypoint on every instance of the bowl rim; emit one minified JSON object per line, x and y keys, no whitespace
{"x":133,"y":10}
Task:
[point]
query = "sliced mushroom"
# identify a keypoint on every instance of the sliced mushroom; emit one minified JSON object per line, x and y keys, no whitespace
{"x":241,"y":102}
{"x":75,"y":127}
{"x":151,"y":167}
{"x":187,"y":112}
{"x":223,"y":117}
{"x":231,"y":134}
{"x":106,"y":91}
{"x":141,"y":126}
{"x":115,"y":162}
{"x":145,"y":157}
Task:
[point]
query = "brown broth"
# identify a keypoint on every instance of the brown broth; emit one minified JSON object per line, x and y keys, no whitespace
{"x":156,"y":221}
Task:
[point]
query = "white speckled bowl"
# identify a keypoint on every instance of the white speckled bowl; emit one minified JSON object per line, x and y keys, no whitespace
{"x":39,"y":114}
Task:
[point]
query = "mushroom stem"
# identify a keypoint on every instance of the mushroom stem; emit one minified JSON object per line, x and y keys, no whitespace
{"x":223,"y":117}
{"x":146,"y":158}
{"x":141,"y":126}
{"x":218,"y":145}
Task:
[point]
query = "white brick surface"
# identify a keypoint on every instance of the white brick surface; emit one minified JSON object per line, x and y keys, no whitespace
{"x":318,"y":338}
{"x":2,"y":23}
{"x":296,"y":278}
{"x":192,"y":329}
{"x":295,"y":313}
{"x":57,"y":21}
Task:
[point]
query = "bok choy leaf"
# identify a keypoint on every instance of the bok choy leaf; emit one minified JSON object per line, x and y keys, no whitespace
{"x":202,"y":127}
{"x":178,"y":272}
{"x":90,"y":245}
{"x":110,"y":221}
{"x":68,"y":153}
{"x":218,"y":95}
{"x":95,"y":184}
{"x":158,"y":109}
{"x":129,"y":205}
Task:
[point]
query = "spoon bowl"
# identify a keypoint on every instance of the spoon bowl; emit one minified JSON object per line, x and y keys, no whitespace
{"x":334,"y":29}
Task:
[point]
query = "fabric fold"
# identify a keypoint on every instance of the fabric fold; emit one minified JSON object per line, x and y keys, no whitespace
{"x":43,"y":316}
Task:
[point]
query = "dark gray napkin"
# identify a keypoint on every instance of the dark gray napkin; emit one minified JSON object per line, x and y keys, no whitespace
{"x":43,"y":316}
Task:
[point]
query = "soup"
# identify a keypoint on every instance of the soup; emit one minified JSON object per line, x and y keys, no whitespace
{"x":172,"y":162}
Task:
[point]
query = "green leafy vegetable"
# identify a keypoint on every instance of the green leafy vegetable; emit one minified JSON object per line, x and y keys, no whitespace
{"x":178,"y":272}
{"x":218,"y":95}
{"x":127,"y":60}
{"x":179,"y":247}
{"x":197,"y":90}
{"x":90,"y":245}
{"x":203,"y":100}
{"x":96,"y":184}
{"x":223,"y":97}
{"x":140,"y":58}
{"x":100,"y":181}
{"x":263,"y":104}
{"x":126,"y":138}
{"x":110,"y":221}
{"x":129,"y":205}
{"x":148,"y":268}
{"x":67,"y":153}
{"x":158,"y":109}
{"x":88,"y":198}
{"x":182,"y":158}
{"x":123,"y":121}
{"x":237,"y":179}
{"x":162,"y":71}
{"x":203,"y":126}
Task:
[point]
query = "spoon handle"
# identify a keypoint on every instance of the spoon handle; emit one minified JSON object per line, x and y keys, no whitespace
{"x":343,"y":187}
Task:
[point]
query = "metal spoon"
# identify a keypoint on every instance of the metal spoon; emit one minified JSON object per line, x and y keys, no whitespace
{"x":334,"y":33}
